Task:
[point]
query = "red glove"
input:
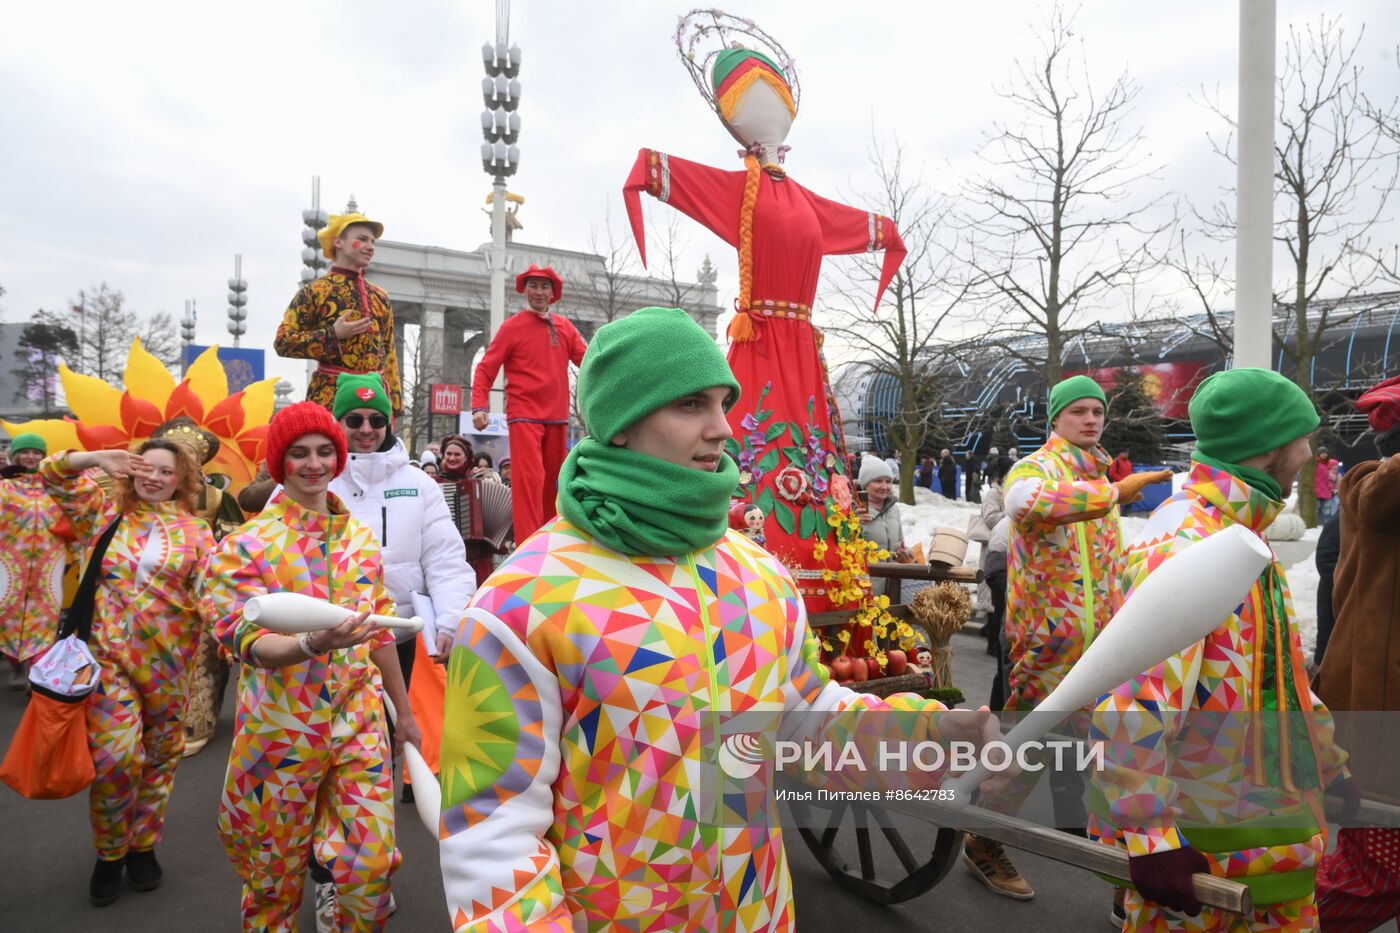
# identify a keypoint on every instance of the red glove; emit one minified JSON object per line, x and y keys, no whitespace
{"x":1349,"y":793}
{"x":1165,"y":878}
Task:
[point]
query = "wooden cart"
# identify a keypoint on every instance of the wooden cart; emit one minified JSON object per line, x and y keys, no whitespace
{"x":861,"y":848}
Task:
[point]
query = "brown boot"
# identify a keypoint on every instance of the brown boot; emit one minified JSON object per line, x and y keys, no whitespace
{"x":990,"y":864}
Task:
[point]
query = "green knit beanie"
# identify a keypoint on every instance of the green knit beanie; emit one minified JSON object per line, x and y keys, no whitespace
{"x":367,"y":391}
{"x":1241,"y":413}
{"x":1071,"y":390}
{"x":639,"y":363}
{"x":28,"y":441}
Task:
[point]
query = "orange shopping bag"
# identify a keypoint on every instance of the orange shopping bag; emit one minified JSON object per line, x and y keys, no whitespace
{"x":49,"y":757}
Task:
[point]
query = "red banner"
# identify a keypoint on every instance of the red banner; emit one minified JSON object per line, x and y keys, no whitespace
{"x":444,"y":399}
{"x":1169,"y":385}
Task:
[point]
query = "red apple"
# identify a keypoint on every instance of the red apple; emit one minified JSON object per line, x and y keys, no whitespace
{"x":841,"y":668}
{"x":896,"y":662}
{"x":873,"y":667}
{"x":860,"y":671}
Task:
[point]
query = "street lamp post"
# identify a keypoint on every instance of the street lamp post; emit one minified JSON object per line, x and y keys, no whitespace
{"x":237,"y":301}
{"x":500,"y":156}
{"x":315,"y":220}
{"x":187,"y":329}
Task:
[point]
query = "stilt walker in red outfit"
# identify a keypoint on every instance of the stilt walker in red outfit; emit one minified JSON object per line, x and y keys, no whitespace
{"x":788,"y":438}
{"x":536,"y":347}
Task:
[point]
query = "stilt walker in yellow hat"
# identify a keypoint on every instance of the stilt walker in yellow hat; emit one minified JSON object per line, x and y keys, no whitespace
{"x":341,"y":320}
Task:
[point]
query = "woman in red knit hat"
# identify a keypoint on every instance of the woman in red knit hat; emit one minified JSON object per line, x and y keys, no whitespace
{"x":324,"y":783}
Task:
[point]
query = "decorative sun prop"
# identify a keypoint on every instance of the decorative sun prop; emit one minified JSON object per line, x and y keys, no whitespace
{"x":109,"y":419}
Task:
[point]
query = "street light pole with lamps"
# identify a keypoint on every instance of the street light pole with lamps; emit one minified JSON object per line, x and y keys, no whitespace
{"x":500,"y":157}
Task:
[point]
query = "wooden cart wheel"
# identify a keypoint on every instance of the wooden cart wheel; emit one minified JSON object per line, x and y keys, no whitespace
{"x":886,"y":870}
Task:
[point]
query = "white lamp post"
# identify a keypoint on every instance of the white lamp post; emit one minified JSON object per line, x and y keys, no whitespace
{"x":237,"y":301}
{"x":500,"y":157}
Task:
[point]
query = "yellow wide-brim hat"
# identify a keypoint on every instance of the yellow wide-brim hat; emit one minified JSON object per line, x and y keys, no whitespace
{"x":336,"y":226}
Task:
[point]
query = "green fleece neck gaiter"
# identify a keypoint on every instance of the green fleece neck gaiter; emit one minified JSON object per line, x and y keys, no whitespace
{"x":643,"y":506}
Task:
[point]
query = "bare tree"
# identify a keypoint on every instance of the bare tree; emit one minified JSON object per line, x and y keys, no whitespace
{"x":161,"y":339}
{"x":671,"y":247}
{"x":1055,"y":228}
{"x":105,"y":331}
{"x":897,"y":340}
{"x":1335,"y":170}
{"x":615,"y":284}
{"x":1206,"y":281}
{"x":106,"y":328}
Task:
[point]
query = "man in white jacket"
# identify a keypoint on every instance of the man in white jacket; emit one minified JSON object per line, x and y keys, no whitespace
{"x":425,"y":565}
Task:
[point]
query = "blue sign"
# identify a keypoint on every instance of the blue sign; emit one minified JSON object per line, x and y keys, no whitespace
{"x":243,"y":366}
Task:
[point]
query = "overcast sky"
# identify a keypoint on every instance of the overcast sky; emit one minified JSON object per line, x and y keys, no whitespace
{"x":144,"y":144}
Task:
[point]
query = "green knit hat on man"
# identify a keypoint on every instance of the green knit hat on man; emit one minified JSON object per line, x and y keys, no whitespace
{"x":355,"y":391}
{"x":643,"y":361}
{"x":28,"y":441}
{"x":1241,"y":413}
{"x":633,"y":502}
{"x":1068,"y":391}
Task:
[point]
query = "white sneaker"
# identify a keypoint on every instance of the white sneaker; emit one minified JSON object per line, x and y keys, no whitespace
{"x":327,"y":908}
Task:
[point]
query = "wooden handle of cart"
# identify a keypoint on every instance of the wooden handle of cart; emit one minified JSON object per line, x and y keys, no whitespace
{"x":1211,"y":890}
{"x":936,"y":572}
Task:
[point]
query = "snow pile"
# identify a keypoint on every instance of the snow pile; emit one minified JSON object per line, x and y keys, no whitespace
{"x":930,"y":512}
{"x":1302,"y":585}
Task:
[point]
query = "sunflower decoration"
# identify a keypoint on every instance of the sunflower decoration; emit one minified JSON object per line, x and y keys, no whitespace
{"x":107,"y":418}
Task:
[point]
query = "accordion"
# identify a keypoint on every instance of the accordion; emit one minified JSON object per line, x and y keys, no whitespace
{"x":480,"y":509}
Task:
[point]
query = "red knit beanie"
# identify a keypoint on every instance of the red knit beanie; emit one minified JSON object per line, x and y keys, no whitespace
{"x":297,"y":421}
{"x":1381,"y":405}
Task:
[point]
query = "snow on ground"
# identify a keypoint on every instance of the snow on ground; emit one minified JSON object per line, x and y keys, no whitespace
{"x":1302,"y":584}
{"x":930,"y":512}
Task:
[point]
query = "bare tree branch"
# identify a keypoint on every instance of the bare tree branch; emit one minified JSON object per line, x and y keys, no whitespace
{"x":898,"y":339}
{"x":1054,"y":228}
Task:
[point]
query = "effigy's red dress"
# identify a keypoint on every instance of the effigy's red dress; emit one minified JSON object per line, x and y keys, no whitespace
{"x":787,"y":431}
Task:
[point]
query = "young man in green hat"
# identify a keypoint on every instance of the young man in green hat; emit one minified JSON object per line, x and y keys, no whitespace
{"x":1226,"y":793}
{"x":592,"y":675}
{"x":1063,"y":562}
{"x":342,"y":320}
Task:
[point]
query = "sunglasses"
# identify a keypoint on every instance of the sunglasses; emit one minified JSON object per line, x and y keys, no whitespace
{"x":354,"y":421}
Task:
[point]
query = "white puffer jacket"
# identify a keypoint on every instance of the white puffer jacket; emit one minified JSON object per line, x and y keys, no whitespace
{"x":422,"y":548}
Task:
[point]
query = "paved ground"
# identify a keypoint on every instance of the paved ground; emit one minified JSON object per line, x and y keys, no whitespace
{"x":46,"y":857}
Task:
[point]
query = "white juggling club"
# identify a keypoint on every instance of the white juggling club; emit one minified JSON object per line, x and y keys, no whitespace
{"x":294,"y":613}
{"x":427,"y":792}
{"x":1181,"y":602}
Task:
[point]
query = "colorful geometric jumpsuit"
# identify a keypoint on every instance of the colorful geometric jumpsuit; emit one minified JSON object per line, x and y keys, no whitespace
{"x":307,"y":332}
{"x":536,"y":352}
{"x":787,"y":431}
{"x":586,"y":697}
{"x":36,"y":544}
{"x":1063,"y":563}
{"x":1227,"y":780}
{"x":310,"y":763}
{"x":144,"y":632}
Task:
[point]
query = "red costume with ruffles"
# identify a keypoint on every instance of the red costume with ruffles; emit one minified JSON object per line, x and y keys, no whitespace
{"x":786,"y":426}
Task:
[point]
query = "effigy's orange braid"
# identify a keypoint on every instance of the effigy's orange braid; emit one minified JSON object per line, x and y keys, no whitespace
{"x":741,"y":328}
